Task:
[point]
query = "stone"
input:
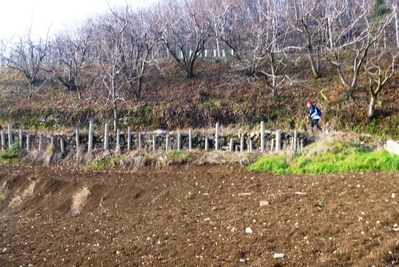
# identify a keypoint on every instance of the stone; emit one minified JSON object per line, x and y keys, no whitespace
{"x":264,"y":203}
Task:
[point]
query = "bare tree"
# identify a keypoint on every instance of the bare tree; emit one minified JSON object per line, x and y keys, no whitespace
{"x":394,"y":6}
{"x":3,"y":52}
{"x":27,"y":56}
{"x":380,"y":68}
{"x":355,"y":33}
{"x":184,"y":31}
{"x":72,"y":52}
{"x":308,"y":21}
{"x":256,"y":31}
{"x":137,"y":50}
{"x":109,"y":42}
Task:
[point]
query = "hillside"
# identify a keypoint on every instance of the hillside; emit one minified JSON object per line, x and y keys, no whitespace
{"x":218,"y":93}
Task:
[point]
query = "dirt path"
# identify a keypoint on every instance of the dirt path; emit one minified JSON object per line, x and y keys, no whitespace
{"x":197,"y":216}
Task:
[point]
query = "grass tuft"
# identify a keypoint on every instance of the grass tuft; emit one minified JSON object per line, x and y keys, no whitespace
{"x":10,"y":155}
{"x":330,"y":157}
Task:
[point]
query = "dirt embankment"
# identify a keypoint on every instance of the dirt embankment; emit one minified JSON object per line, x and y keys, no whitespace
{"x":190,"y":215}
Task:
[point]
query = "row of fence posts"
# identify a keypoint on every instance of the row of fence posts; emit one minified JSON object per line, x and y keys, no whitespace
{"x":295,"y":142}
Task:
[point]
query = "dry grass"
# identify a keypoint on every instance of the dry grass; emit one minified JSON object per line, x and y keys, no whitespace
{"x":28,"y":191}
{"x":78,"y":200}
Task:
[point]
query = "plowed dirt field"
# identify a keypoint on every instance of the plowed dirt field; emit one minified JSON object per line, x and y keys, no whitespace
{"x":188,"y":215}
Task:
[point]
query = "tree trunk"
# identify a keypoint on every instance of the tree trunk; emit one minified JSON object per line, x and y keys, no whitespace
{"x":371,"y":109}
{"x":315,"y":65}
{"x":349,"y":94}
{"x":114,"y":104}
{"x":396,"y":24}
{"x":138,"y":91}
{"x":30,"y":91}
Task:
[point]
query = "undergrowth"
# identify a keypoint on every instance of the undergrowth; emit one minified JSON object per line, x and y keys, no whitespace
{"x":102,"y":163}
{"x":10,"y":155}
{"x":329,"y":157}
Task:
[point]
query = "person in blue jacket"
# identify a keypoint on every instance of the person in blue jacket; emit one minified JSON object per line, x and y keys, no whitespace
{"x":314,"y":115}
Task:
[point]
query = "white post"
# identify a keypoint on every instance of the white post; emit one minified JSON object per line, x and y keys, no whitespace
{"x":52,"y":143}
{"x":190,"y":139}
{"x":20,"y":139}
{"x":167,"y":142}
{"x":90,"y":145}
{"x":139,"y":145}
{"x":10,"y":141}
{"x":249,"y":145}
{"x":129,"y":138}
{"x":154,"y":143}
{"x":295,"y":140}
{"x":217,"y":137}
{"x":40,"y":143}
{"x":28,"y":142}
{"x":3,"y":140}
{"x":272,"y":145}
{"x":262,"y":136}
{"x":106,"y":136}
{"x":178,"y":141}
{"x":118,"y":139}
{"x":297,"y":143}
{"x":62,"y":144}
{"x":77,"y":139}
{"x":206,"y":143}
{"x":242,"y":143}
{"x":278,"y":140}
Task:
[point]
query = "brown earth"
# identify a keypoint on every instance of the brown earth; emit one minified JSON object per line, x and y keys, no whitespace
{"x":191,"y":215}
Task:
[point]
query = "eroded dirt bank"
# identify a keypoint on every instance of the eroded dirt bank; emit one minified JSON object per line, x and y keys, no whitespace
{"x":189,"y":215}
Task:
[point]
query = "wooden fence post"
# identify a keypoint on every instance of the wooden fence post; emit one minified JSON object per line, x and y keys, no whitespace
{"x":154,"y":143}
{"x":140,"y":141}
{"x":217,"y":137}
{"x":62,"y":145}
{"x":41,"y":143}
{"x":106,"y":136}
{"x":21,"y":140}
{"x":3,"y":140}
{"x":190,"y":139}
{"x":10,"y":140}
{"x":28,"y":142}
{"x":262,"y":136}
{"x":90,"y":145}
{"x":178,"y":141}
{"x":167,"y":142}
{"x":129,"y":138}
{"x":118,"y":139}
{"x":77,"y":140}
{"x":278,"y":140}
{"x":232,"y":143}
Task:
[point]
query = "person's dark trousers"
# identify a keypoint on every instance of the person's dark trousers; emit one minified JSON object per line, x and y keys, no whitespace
{"x":315,"y":123}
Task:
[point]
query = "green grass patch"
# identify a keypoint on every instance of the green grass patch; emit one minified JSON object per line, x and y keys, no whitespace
{"x":102,"y":164}
{"x":329,"y":157}
{"x":177,"y":156}
{"x":10,"y":155}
